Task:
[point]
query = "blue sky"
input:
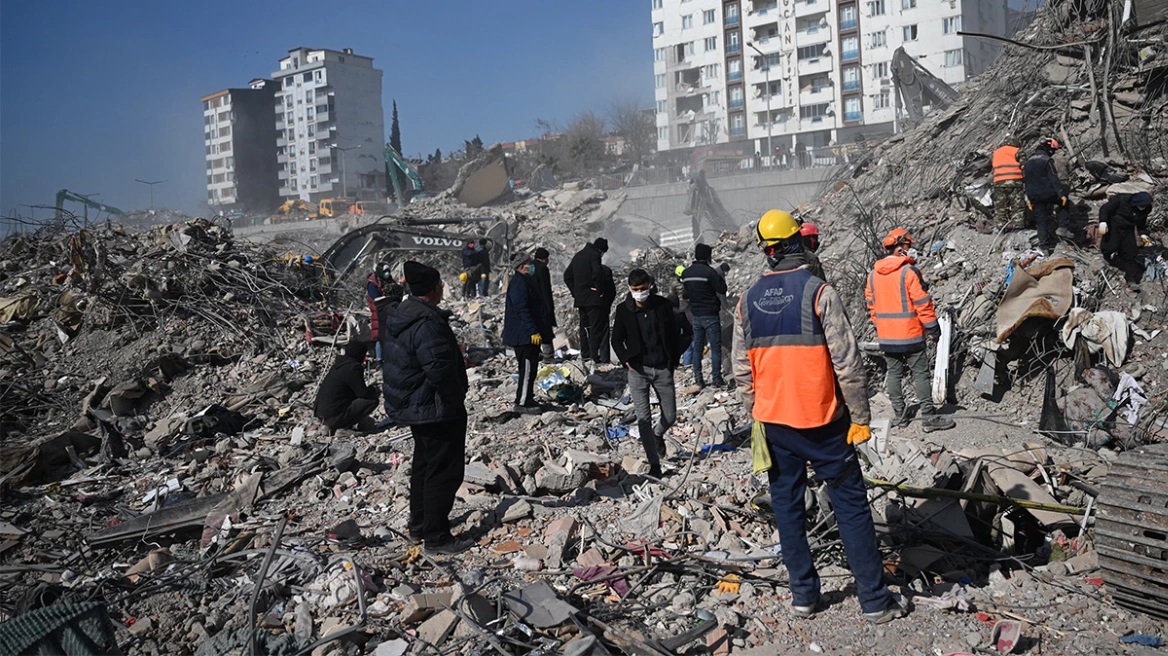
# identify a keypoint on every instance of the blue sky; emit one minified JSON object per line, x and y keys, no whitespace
{"x":94,"y":94}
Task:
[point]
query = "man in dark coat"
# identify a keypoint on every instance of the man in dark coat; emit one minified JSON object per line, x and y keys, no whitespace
{"x":471,"y":270}
{"x":482,"y":260}
{"x":343,"y":399}
{"x":705,"y":287}
{"x":608,"y":292}
{"x":584,"y":278}
{"x":541,"y":277}
{"x":524,"y":325}
{"x":425,"y":385}
{"x":1047,"y":195}
{"x":649,"y":338}
{"x":1126,"y":216}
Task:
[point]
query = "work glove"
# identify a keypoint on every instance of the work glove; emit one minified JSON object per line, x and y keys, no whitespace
{"x":483,"y":276}
{"x":1145,"y":240}
{"x":463,"y":277}
{"x":1030,"y":206}
{"x":760,"y":454}
{"x":858,"y":434}
{"x":536,"y":340}
{"x":1063,"y":201}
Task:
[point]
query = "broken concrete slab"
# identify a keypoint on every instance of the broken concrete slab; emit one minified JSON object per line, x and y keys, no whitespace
{"x":538,"y":605}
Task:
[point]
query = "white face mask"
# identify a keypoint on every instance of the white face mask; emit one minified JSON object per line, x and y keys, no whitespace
{"x":641,"y":297}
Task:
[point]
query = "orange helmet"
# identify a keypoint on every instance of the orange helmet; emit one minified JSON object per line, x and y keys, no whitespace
{"x":809,"y":229}
{"x":898,"y":237}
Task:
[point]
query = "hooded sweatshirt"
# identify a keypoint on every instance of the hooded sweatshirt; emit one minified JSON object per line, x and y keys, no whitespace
{"x":900,"y":305}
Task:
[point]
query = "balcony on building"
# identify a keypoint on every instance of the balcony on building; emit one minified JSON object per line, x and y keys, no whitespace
{"x":734,"y":76}
{"x":812,"y":34}
{"x":731,"y":20}
{"x":739,"y":131}
{"x":805,"y":8}
{"x":689,"y":81}
{"x":852,"y":117}
{"x":821,"y":64}
{"x":850,"y":55}
{"x":737,"y":103}
{"x":764,"y":33}
{"x":764,"y":7}
{"x":733,"y":48}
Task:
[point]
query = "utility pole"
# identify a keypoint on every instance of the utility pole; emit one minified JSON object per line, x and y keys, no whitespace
{"x":344,"y":181}
{"x":766,"y":69}
{"x":151,"y":184}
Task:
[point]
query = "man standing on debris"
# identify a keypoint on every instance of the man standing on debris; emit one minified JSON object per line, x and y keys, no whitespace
{"x":482,"y":260}
{"x":524,"y":328}
{"x":1126,"y":216}
{"x":705,"y":287}
{"x":608,"y":292}
{"x":425,"y":385}
{"x":902,"y":310}
{"x":801,"y":378}
{"x":471,"y":270}
{"x":809,"y":232}
{"x":1046,"y":194}
{"x":584,"y":277}
{"x":1009,"y":205}
{"x":343,"y":399}
{"x":374,"y":291}
{"x":648,"y":340}
{"x":541,"y":277}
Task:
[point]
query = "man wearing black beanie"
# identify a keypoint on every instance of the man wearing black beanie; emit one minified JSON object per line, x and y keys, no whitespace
{"x":585,"y":279}
{"x":425,"y":385}
{"x":705,"y":287}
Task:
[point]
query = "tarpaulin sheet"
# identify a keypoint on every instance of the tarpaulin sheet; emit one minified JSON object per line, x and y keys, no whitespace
{"x":1042,"y":291}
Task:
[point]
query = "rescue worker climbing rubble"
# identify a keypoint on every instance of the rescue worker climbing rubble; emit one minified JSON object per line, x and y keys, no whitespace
{"x":903,"y":313}
{"x":374,"y":290}
{"x":1126,"y":219}
{"x":1046,"y":195}
{"x":1009,"y":204}
{"x":801,"y":378}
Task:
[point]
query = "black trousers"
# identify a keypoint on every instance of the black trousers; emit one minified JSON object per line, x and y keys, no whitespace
{"x":1121,"y":251}
{"x":528,"y":357}
{"x":594,"y":333}
{"x":439,"y":460}
{"x":1046,"y":221}
{"x":357,"y":410}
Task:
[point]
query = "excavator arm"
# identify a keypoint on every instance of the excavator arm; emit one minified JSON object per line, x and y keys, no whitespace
{"x":354,"y":247}
{"x":917,"y":87}
{"x":396,"y":163}
{"x":64,"y":195}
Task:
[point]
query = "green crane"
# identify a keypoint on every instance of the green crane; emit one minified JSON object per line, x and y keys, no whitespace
{"x":64,"y":195}
{"x":394,"y":162}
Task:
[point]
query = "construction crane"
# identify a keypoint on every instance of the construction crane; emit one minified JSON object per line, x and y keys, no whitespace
{"x":395,"y":162}
{"x":918,"y":88}
{"x":64,"y":195}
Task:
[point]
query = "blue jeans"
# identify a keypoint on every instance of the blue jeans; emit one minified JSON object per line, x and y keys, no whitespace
{"x":707,"y":328}
{"x":687,"y":357}
{"x":484,"y":285}
{"x":835,"y":462}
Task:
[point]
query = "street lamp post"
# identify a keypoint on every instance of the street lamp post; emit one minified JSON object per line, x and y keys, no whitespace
{"x":151,"y":184}
{"x":344,"y":181}
{"x":766,"y":69}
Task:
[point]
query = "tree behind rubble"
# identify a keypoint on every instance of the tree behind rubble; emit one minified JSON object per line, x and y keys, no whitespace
{"x":473,"y":148}
{"x":584,"y":144}
{"x":636,"y":126}
{"x":395,"y":142}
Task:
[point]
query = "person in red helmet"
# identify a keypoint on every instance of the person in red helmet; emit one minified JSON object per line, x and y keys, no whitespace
{"x":809,"y":233}
{"x":1047,"y":195}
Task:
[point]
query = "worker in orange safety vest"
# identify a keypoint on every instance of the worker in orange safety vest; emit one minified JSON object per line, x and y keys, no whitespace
{"x":1008,"y":197}
{"x":801,"y":377}
{"x":902,"y":310}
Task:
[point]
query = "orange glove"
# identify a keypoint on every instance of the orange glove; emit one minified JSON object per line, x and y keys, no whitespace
{"x":858,"y":434}
{"x":1063,"y":201}
{"x":536,"y":340}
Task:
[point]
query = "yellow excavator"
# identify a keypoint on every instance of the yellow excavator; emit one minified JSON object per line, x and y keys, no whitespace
{"x":297,"y":206}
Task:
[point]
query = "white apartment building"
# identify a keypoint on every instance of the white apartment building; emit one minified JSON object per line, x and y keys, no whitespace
{"x":804,"y":73}
{"x":330,"y":125}
{"x":240,"y":141}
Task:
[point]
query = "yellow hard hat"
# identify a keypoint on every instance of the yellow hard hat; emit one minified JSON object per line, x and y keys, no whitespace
{"x":679,"y":270}
{"x":775,"y":226}
{"x":463,"y":277}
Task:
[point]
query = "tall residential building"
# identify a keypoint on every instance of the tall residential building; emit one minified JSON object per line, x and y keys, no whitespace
{"x":809,"y":72}
{"x":331,"y":128}
{"x":240,"y":139}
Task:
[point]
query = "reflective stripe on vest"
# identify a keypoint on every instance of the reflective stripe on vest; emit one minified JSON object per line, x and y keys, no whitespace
{"x":794,"y":381}
{"x":895,"y":318}
{"x":1005,"y":163}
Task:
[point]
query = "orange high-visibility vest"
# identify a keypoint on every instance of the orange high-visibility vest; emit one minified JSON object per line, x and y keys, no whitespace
{"x":794,"y":381}
{"x":900,"y":305}
{"x":1005,"y":163}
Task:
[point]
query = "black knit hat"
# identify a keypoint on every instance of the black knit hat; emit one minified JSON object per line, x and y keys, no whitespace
{"x":601,"y":244}
{"x":421,"y":278}
{"x":703,"y":252}
{"x":541,"y":253}
{"x":355,"y":349}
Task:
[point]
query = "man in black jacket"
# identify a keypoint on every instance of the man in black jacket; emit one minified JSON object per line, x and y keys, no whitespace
{"x":1125,"y":216}
{"x":584,"y":278}
{"x":524,"y":325}
{"x":608,"y":292}
{"x":343,"y":399}
{"x":1046,"y":194}
{"x":704,"y":287}
{"x":541,"y":278}
{"x":425,"y":385}
{"x":649,"y":338}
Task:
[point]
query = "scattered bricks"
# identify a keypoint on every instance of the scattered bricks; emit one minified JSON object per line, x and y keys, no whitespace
{"x":718,"y":641}
{"x":634,"y":465}
{"x":421,"y":605}
{"x":557,"y":536}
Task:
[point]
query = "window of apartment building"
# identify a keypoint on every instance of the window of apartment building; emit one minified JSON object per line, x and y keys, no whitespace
{"x":853,"y":109}
{"x":687,"y":49}
{"x":879,"y":39}
{"x":908,"y":4}
{"x":308,"y":96}
{"x":910,"y":32}
{"x":230,"y":162}
{"x":663,"y":133}
{"x":225,"y":147}
{"x":311,"y":147}
{"x":687,"y":21}
{"x":288,"y":101}
{"x":731,"y":13}
{"x":709,"y":16}
{"x":225,"y":131}
{"x":850,"y":48}
{"x":311,"y":130}
{"x":734,"y":69}
{"x":737,"y":97}
{"x":712,"y":71}
{"x":659,"y":80}
{"x":771,"y":61}
{"x":819,"y":83}
{"x":954,"y":57}
{"x":847,"y":17}
{"x":318,"y":75}
{"x":711,"y":43}
{"x":880,"y":69}
{"x":737,"y":125}
{"x":288,"y":81}
{"x":733,"y":42}
{"x":811,"y":52}
{"x":657,"y":4}
{"x":713,"y":99}
{"x":312,"y":164}
{"x":851,"y":78}
{"x":876,"y":8}
{"x":881,"y":100}
{"x":813,"y":112}
{"x":312,"y":182}
{"x":658,"y":28}
{"x":951,"y":25}
{"x":307,"y":77}
{"x":658,"y":54}
{"x":662,"y":106}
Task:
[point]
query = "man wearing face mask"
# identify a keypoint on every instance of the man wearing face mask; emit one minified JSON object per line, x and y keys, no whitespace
{"x":524,"y":327}
{"x":648,"y":338}
{"x":902,"y":310}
